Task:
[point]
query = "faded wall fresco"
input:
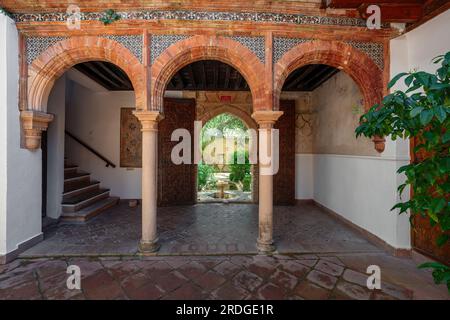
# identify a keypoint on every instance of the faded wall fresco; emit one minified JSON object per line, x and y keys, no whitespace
{"x":337,"y":106}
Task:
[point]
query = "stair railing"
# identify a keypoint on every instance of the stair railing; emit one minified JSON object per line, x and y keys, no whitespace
{"x":108,"y":162}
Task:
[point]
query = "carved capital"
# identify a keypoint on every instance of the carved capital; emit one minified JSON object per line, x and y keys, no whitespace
{"x":148,"y":119}
{"x":33,"y":123}
{"x":379,"y":143}
{"x":266,"y":118}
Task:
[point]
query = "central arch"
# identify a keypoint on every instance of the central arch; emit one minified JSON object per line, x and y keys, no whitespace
{"x":198,"y":48}
{"x":235,"y":111}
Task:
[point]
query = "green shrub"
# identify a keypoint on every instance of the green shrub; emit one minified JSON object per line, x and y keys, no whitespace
{"x":238,"y":172}
{"x":205,"y":176}
{"x":247,"y":182}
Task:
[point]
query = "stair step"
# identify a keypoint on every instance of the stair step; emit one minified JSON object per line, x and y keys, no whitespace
{"x":83,"y":200}
{"x":78,"y":185}
{"x":75,"y":190}
{"x":70,"y":176}
{"x":68,"y":167}
{"x":90,"y":211}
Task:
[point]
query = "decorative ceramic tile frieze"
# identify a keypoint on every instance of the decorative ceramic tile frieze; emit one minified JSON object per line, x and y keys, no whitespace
{"x":192,"y":15}
{"x":373,"y":49}
{"x":37,"y":45}
{"x":133,"y":43}
{"x":282,"y":45}
{"x":159,"y":43}
{"x":255,"y":44}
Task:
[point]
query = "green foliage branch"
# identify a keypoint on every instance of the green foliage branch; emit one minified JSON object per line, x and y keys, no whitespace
{"x":421,"y":112}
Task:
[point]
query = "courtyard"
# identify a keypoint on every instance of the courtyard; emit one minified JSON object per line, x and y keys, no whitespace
{"x":224,"y":150}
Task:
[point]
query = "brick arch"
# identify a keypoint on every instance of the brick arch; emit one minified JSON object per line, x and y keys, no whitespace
{"x":337,"y":54}
{"x":57,"y":59}
{"x":239,"y":113}
{"x":203,"y":47}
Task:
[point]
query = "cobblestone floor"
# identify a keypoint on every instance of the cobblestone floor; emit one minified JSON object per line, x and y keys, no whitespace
{"x":235,"y":277}
{"x":204,"y":229}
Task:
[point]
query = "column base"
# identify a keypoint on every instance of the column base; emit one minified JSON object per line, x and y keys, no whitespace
{"x":265,"y":247}
{"x":149,"y":247}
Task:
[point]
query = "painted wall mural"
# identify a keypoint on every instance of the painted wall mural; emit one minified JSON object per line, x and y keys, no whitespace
{"x":130,"y":139}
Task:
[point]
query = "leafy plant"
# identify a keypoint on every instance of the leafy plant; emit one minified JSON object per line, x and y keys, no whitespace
{"x":247,"y":182}
{"x":441,"y":273}
{"x":421,"y":112}
{"x":224,"y":123}
{"x":205,"y":176}
{"x":238,"y":172}
{"x":109,"y":16}
{"x":5,"y":12}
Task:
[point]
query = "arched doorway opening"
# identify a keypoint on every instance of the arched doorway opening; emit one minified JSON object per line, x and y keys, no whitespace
{"x":225,"y":174}
{"x":332,"y":85}
{"x":50,"y":79}
{"x":83,"y":172}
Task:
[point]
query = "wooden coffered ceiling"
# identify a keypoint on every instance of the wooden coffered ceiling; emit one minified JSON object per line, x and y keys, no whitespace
{"x":206,"y":75}
{"x":106,"y":74}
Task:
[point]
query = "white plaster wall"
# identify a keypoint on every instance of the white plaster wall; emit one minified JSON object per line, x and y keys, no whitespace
{"x":304,"y":176}
{"x":20,"y":169}
{"x":94,"y":117}
{"x":3,"y":131}
{"x":362,"y":189}
{"x":426,"y":42}
{"x":415,"y":51}
{"x":55,"y":148}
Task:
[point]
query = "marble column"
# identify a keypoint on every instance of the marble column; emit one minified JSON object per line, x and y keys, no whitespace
{"x":149,"y":120}
{"x":266,"y":151}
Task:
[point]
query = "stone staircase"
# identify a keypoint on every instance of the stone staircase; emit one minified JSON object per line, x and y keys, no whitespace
{"x":83,"y":198}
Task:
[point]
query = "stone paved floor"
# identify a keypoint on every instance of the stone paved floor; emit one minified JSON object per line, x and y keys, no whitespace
{"x":204,"y":229}
{"x":235,"y":277}
{"x":207,"y":253}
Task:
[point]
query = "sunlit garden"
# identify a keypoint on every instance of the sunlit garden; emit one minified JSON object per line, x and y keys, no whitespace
{"x":225,"y":173}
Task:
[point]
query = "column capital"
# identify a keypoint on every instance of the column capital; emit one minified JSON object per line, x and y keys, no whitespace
{"x":266,"y":117}
{"x":149,"y":119}
{"x":33,"y":123}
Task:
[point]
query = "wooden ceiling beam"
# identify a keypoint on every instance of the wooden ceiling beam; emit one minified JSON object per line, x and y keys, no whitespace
{"x":216,"y":76}
{"x":203,"y":72}
{"x":191,"y":75}
{"x":395,"y":12}
{"x":94,"y":71}
{"x":226,"y":82}
{"x":343,"y":4}
{"x":238,"y":83}
{"x":123,"y":80}
{"x":324,"y":78}
{"x":180,"y":81}
{"x":293,"y":83}
{"x":317,"y":77}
